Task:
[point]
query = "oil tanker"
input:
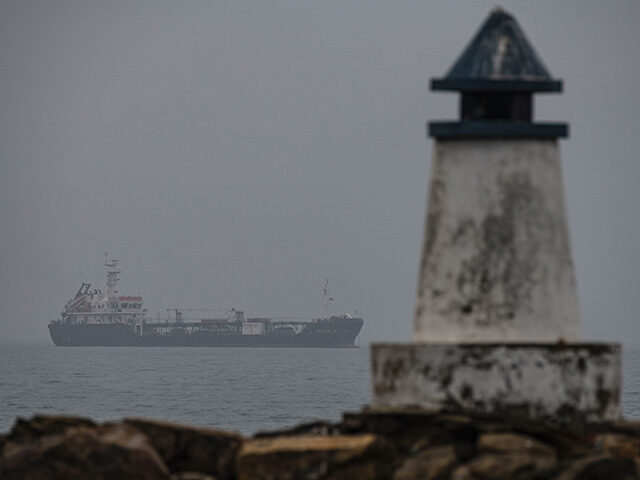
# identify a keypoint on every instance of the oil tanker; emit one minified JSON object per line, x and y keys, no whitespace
{"x":94,"y":318}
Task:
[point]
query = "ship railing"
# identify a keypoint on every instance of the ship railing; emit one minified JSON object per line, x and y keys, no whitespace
{"x":96,"y":314}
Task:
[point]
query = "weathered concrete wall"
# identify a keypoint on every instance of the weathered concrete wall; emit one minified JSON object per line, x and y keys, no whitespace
{"x":496,"y":263}
{"x":564,"y":383}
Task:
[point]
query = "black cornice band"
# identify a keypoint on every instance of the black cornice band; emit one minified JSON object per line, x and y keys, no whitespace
{"x":482,"y":85}
{"x":497,"y":129}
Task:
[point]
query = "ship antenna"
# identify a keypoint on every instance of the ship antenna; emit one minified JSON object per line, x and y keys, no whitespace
{"x":326,"y":298}
{"x":112,"y":276}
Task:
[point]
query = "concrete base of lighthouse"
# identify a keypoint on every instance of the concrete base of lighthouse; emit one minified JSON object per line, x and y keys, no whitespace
{"x":557,"y":382}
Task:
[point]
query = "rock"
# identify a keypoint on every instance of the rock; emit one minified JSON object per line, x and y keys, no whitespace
{"x":191,"y":476}
{"x":619,"y":446}
{"x":511,"y":466}
{"x":428,"y":464}
{"x":513,"y":442}
{"x":566,"y":443}
{"x":511,"y":456}
{"x":406,"y":426}
{"x":600,"y":467}
{"x":25,"y":431}
{"x":365,"y":457}
{"x":463,"y":472}
{"x":629,"y":427}
{"x":311,"y":428}
{"x":402,"y":444}
{"x":81,"y":453}
{"x":190,"y":449}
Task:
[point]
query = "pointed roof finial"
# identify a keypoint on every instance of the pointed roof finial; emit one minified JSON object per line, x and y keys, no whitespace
{"x":498,"y":58}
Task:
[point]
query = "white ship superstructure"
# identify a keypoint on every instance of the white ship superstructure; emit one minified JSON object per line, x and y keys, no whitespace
{"x":94,"y":306}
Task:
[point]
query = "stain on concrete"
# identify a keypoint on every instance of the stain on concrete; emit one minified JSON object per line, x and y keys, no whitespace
{"x":498,"y":280}
{"x":536,"y":380}
{"x":496,"y":259}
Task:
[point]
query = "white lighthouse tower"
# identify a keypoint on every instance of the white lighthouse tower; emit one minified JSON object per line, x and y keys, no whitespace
{"x":496,"y":321}
{"x":496,"y":262}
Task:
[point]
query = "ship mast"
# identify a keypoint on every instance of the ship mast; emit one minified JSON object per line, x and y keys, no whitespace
{"x":326,"y":298}
{"x":112,"y":276}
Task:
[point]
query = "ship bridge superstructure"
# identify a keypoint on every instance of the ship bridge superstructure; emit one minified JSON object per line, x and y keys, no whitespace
{"x":93,"y":306}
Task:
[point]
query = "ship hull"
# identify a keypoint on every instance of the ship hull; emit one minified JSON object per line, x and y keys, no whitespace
{"x":339,"y":333}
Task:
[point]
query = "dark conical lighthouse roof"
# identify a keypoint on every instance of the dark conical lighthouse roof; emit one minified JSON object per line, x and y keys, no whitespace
{"x":498,"y":58}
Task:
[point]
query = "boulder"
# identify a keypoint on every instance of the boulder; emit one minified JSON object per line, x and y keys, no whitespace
{"x":399,"y":444}
{"x":311,"y":428}
{"x":114,"y":451}
{"x":428,"y":464}
{"x":38,"y":426}
{"x":191,"y":476}
{"x":514,"y":442}
{"x":340,"y":457}
{"x":463,"y":472}
{"x":618,"y":445}
{"x":406,"y":426}
{"x":511,"y":466}
{"x":511,"y":456}
{"x":190,"y":449}
{"x":601,"y":467}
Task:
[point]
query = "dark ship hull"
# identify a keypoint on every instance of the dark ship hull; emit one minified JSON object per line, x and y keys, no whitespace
{"x":333,"y":332}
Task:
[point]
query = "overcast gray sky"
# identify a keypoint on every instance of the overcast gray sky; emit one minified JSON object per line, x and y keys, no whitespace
{"x":236,"y":154}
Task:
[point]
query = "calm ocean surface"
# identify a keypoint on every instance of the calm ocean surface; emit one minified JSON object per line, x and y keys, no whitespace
{"x":241,"y":389}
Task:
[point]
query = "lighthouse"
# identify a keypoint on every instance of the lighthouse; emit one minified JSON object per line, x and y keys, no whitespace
{"x":496,"y":260}
{"x":497,"y":323}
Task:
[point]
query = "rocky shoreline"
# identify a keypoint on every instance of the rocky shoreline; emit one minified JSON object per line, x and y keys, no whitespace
{"x":406,"y":444}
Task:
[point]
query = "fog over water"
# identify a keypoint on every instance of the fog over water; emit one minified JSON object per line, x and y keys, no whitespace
{"x":235,"y":155}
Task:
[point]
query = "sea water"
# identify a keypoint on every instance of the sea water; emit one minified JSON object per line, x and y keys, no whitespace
{"x":240,"y":389}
